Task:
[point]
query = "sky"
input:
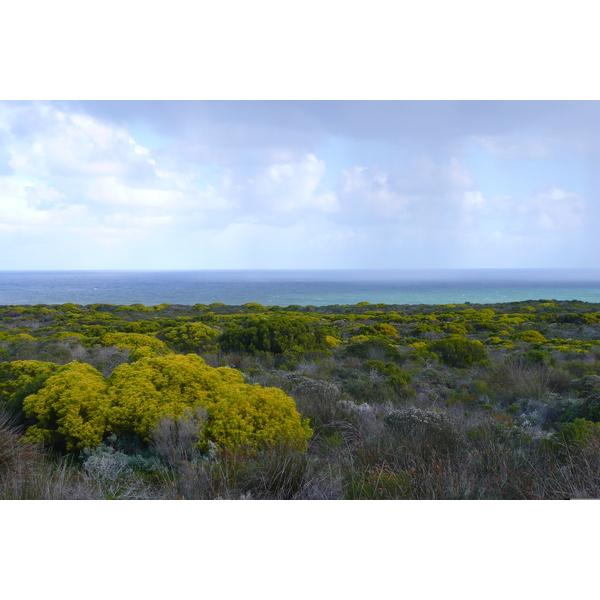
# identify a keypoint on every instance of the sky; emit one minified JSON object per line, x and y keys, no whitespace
{"x":299,"y":184}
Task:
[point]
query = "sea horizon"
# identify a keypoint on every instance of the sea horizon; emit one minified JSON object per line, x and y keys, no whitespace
{"x":284,"y":287}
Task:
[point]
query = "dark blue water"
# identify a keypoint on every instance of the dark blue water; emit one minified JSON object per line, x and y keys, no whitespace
{"x":283,"y":288}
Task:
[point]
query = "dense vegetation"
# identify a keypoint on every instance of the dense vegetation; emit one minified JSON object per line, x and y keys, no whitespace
{"x":356,"y":402}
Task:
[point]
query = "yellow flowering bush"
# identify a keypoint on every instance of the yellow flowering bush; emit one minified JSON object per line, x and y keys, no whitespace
{"x":72,"y":407}
{"x":15,"y":375}
{"x":15,"y":337}
{"x":135,"y":341}
{"x":534,"y":337}
{"x":143,"y":392}
{"x":333,"y":342}
{"x":252,"y":415}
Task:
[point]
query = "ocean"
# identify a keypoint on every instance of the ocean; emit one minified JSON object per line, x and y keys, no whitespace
{"x":303,"y":287}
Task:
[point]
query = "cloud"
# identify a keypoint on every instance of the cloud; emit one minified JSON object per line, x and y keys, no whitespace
{"x":296,"y":186}
{"x":25,"y":205}
{"x":366,"y":194}
{"x":138,"y":221}
{"x":281,"y":192}
{"x":516,"y":146}
{"x":70,"y":144}
{"x":426,"y":175}
{"x":110,"y":191}
{"x":232,"y":184}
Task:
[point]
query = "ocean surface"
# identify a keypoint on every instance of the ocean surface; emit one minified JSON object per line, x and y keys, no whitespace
{"x":283,"y":288}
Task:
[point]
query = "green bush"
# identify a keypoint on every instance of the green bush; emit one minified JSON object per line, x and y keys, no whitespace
{"x":276,"y":334}
{"x":396,"y":376}
{"x":192,"y":337}
{"x":588,"y":409}
{"x":457,"y":351}
{"x":375,"y":349}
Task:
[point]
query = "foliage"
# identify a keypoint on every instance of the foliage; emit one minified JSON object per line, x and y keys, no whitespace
{"x":135,"y":341}
{"x":434,"y":428}
{"x":486,"y":437}
{"x":534,"y":337}
{"x":374,"y":349}
{"x":192,"y":337}
{"x":396,"y":376}
{"x":381,"y":329}
{"x":16,"y":375}
{"x":71,"y":409}
{"x":377,"y":482}
{"x":588,"y":409}
{"x":458,"y":351}
{"x":144,"y":392}
{"x":277,"y":334}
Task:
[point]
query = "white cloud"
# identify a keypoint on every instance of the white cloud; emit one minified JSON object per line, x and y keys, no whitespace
{"x":138,"y":221}
{"x":31,"y":205}
{"x":516,"y":146}
{"x":294,"y":187}
{"x":110,"y":191}
{"x":76,"y":144}
{"x":366,"y":191}
{"x":428,"y":176}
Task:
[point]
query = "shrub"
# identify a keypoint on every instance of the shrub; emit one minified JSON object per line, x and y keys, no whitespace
{"x":175,"y":440}
{"x":396,"y":376}
{"x":276,"y":334}
{"x":457,"y":351}
{"x":575,"y":436}
{"x":135,"y":341}
{"x":516,"y":378}
{"x":533,"y":337}
{"x":192,"y":337}
{"x":588,"y":409}
{"x":320,"y":401}
{"x":16,"y":375}
{"x":432,"y":429}
{"x":381,"y":329}
{"x":143,"y":392}
{"x":71,"y":409}
{"x":374,"y":349}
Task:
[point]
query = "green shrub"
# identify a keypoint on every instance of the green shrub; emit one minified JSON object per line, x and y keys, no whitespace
{"x":192,"y":337}
{"x":396,"y":376}
{"x":588,"y":409}
{"x":276,"y":334}
{"x":374,"y":349}
{"x":457,"y":351}
{"x":574,"y":437}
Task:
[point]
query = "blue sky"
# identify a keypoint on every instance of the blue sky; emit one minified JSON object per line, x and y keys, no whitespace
{"x":298,"y":184}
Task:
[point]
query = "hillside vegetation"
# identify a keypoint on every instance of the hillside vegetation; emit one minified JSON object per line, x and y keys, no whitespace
{"x":337,"y":402}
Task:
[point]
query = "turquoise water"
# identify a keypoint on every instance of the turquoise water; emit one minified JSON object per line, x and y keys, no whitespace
{"x":282,"y":288}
